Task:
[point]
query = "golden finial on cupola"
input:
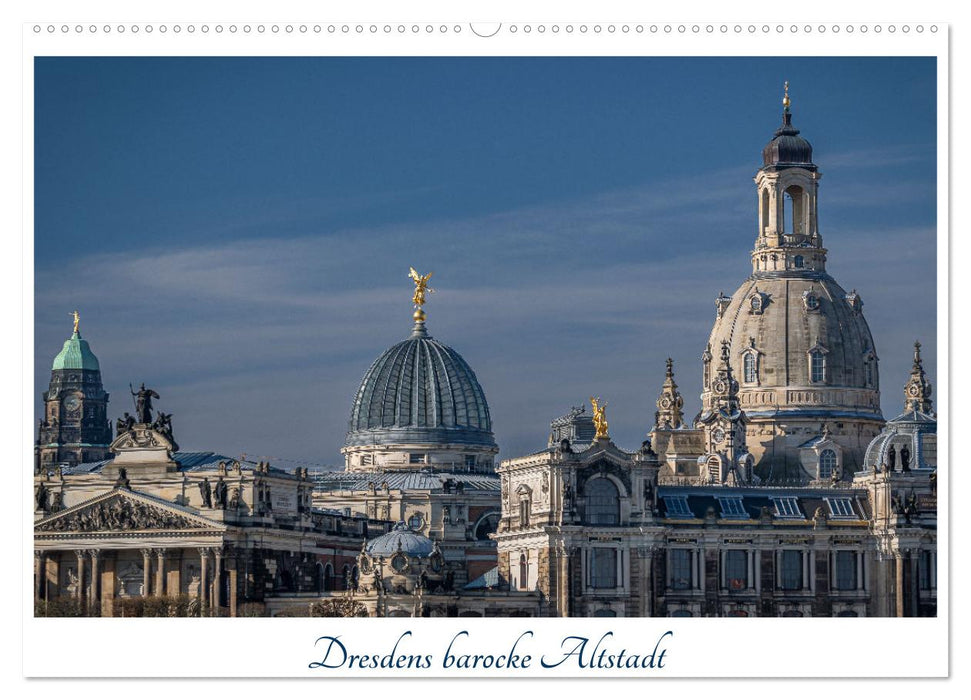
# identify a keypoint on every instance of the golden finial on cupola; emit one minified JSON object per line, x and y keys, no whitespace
{"x":77,"y":320}
{"x":421,"y":288}
{"x":785,"y":98}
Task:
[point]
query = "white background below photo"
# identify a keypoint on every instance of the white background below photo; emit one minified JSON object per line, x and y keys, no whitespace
{"x":762,"y":648}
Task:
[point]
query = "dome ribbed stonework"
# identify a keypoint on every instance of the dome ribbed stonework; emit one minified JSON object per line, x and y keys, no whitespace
{"x":400,"y":539}
{"x":420,"y":391}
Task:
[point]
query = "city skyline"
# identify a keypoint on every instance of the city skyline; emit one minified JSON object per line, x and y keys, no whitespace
{"x":571,"y":257}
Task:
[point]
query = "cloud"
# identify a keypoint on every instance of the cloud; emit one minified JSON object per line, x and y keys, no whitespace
{"x":258,"y":344}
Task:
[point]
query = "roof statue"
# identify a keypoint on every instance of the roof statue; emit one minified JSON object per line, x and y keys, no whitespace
{"x":77,"y":319}
{"x":599,"y":417}
{"x":421,"y":288}
{"x":785,"y":98}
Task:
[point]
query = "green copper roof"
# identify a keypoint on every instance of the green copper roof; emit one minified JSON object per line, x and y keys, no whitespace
{"x":76,"y":354}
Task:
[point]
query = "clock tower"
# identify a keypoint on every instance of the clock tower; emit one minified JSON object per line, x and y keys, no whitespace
{"x":75,"y":425}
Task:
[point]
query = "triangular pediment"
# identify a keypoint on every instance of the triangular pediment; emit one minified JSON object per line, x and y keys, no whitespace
{"x":122,"y":510}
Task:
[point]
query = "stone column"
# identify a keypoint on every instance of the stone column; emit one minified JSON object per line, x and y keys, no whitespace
{"x":203,"y":578}
{"x":231,"y":564}
{"x":79,"y":593}
{"x":217,"y":578}
{"x":898,"y":561}
{"x":40,"y":571}
{"x":94,"y":577}
{"x":160,"y":573}
{"x":146,"y":572}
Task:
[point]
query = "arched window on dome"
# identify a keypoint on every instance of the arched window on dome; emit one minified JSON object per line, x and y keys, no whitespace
{"x":798,"y":262}
{"x":603,"y":502}
{"x":750,"y":373}
{"x":827,"y":463}
{"x":817,"y":366}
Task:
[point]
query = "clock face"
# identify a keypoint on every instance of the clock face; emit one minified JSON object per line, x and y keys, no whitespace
{"x":720,"y":387}
{"x":718,"y":435}
{"x":913,"y":390}
{"x":72,"y":402}
{"x":665,"y":402}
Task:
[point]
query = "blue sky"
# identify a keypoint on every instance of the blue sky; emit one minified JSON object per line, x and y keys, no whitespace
{"x":237,"y":232}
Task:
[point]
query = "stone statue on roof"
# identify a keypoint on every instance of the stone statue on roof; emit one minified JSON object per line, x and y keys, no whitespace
{"x":143,"y":403}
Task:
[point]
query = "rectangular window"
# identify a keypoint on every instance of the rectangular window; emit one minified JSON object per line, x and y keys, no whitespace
{"x":677,"y":506}
{"x":732,"y":507}
{"x":736,"y":570}
{"x":470,"y":461}
{"x":681,"y":569}
{"x":416,"y":458}
{"x":790,"y":578}
{"x":787,"y":507}
{"x":603,"y":567}
{"x":845,"y":571}
{"x":524,"y":512}
{"x":817,"y":367}
{"x":840,"y":507}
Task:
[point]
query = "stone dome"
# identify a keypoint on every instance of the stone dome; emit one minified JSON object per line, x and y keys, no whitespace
{"x":780,"y":320}
{"x":787,"y":147}
{"x":420,"y":391}
{"x":76,"y":354}
{"x":400,"y":539}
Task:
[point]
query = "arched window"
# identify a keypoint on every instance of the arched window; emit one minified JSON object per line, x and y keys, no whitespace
{"x":681,"y":613}
{"x":817,"y":366}
{"x":604,"y":612}
{"x":798,"y":261}
{"x":415,"y":522}
{"x":706,"y":379}
{"x":523,"y":571}
{"x":328,"y":582}
{"x":714,"y":468}
{"x":603,"y":502}
{"x":486,"y":526}
{"x":827,"y":463}
{"x":794,"y":203}
{"x":346,"y":577}
{"x":751,"y":370}
{"x":765,"y":209}
{"x":524,"y":512}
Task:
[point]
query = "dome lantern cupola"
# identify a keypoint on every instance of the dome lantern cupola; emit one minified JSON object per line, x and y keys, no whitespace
{"x":787,"y":184}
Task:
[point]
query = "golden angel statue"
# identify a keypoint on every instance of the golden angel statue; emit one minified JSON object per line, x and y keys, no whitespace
{"x":421,"y":286}
{"x":77,"y":319}
{"x":599,"y":417}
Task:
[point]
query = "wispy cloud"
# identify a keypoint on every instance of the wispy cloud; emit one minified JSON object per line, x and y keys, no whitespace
{"x":259,"y":344}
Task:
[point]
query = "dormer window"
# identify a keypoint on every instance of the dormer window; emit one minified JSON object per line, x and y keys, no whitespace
{"x":677,"y":506}
{"x":827,"y":463}
{"x":731,"y":507}
{"x":840,"y":507}
{"x":787,"y":507}
{"x":798,"y":262}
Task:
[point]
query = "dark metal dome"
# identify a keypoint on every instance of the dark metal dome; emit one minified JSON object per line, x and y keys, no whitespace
{"x":787,"y":147}
{"x":420,"y":391}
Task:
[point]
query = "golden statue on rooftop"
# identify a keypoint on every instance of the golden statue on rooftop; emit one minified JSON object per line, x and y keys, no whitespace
{"x":421,"y":288}
{"x":77,"y":319}
{"x":599,"y":417}
{"x":785,"y":98}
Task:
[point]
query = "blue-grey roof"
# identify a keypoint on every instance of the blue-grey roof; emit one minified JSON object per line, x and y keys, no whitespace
{"x":401,"y":480}
{"x":188,"y":462}
{"x":420,"y":391}
{"x":490,"y":579}
{"x":400,"y":539}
